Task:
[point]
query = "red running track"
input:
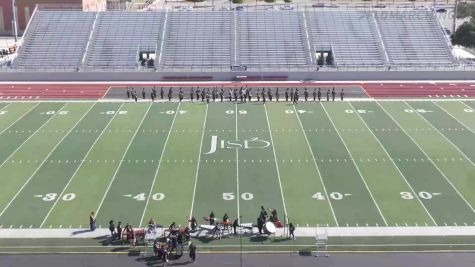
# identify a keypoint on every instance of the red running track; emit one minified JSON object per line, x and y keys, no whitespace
{"x":375,"y":90}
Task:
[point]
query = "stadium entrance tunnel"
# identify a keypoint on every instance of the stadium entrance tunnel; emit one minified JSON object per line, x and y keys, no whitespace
{"x":324,"y":57}
{"x":146,"y":58}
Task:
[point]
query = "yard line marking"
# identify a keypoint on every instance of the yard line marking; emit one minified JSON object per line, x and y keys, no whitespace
{"x":29,"y":137}
{"x":276,"y":165}
{"x":399,"y":170}
{"x":79,"y":167}
{"x":433,"y":163}
{"x":199,"y":160}
{"x":445,"y":137}
{"x":318,"y":169}
{"x":122,"y":160}
{"x":357,"y":168}
{"x":8,"y":104}
{"x":159,"y":164}
{"x":46,"y":158}
{"x":237,"y":164}
{"x":19,"y":118}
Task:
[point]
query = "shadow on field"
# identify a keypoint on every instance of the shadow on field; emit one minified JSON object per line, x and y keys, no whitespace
{"x":205,"y":239}
{"x":258,"y":238}
{"x":81,"y":232}
{"x":156,"y":261}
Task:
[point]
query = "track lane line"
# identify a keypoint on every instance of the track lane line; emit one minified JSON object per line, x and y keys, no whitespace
{"x":354,"y":163}
{"x":430,"y":159}
{"x":79,"y":167}
{"x":47,"y":157}
{"x":395,"y":165}
{"x":199,"y":160}
{"x":159,"y":164}
{"x":317,"y":168}
{"x":122,"y":160}
{"x":276,"y":166}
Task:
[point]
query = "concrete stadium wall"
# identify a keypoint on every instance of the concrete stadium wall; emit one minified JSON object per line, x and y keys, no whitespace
{"x":231,"y":76}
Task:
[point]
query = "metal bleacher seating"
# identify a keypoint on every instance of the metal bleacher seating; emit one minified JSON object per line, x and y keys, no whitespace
{"x":197,"y":39}
{"x":118,"y":36}
{"x":55,"y":40}
{"x":271,"y":40}
{"x":216,"y":40}
{"x":413,"y":38}
{"x":350,"y":35}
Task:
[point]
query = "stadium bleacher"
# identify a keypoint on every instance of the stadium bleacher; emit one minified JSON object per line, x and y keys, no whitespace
{"x":117,"y":37}
{"x":210,"y":40}
{"x":271,"y":40}
{"x":201,"y":39}
{"x":413,"y":38}
{"x":350,"y":35}
{"x":55,"y":39}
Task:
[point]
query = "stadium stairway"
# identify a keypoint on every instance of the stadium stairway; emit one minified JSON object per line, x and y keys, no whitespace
{"x":52,"y":91}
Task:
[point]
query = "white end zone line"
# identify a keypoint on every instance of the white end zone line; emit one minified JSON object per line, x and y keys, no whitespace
{"x":47,"y":156}
{"x":430,"y":159}
{"x":316,"y":166}
{"x":159,"y":164}
{"x":79,"y":167}
{"x":357,"y":168}
{"x":395,"y":165}
{"x":19,"y":118}
{"x":122,"y":160}
{"x":276,"y":165}
{"x":199,"y":160}
{"x":437,"y":231}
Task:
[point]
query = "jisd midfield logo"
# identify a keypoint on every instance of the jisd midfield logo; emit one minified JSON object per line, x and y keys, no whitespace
{"x":252,"y":143}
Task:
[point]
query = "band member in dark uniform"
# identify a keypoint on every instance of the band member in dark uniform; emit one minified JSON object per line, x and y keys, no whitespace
{"x":305,"y":93}
{"x":342,"y":94}
{"x":180,"y":95}
{"x":277,"y":94}
{"x":328,"y":95}
{"x":128,"y":93}
{"x":287,"y":95}
{"x":314,"y":94}
{"x":319,"y":94}
{"x":333,"y":94}
{"x":161,"y":93}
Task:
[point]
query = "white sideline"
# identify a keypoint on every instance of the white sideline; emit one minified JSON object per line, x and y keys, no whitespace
{"x":235,"y":83}
{"x":300,"y":232}
{"x":347,"y":99}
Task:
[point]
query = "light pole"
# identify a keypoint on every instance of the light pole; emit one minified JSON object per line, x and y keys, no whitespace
{"x":455,"y":17}
{"x":14,"y":22}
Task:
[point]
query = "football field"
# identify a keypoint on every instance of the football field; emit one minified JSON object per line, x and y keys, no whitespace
{"x":346,"y":164}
